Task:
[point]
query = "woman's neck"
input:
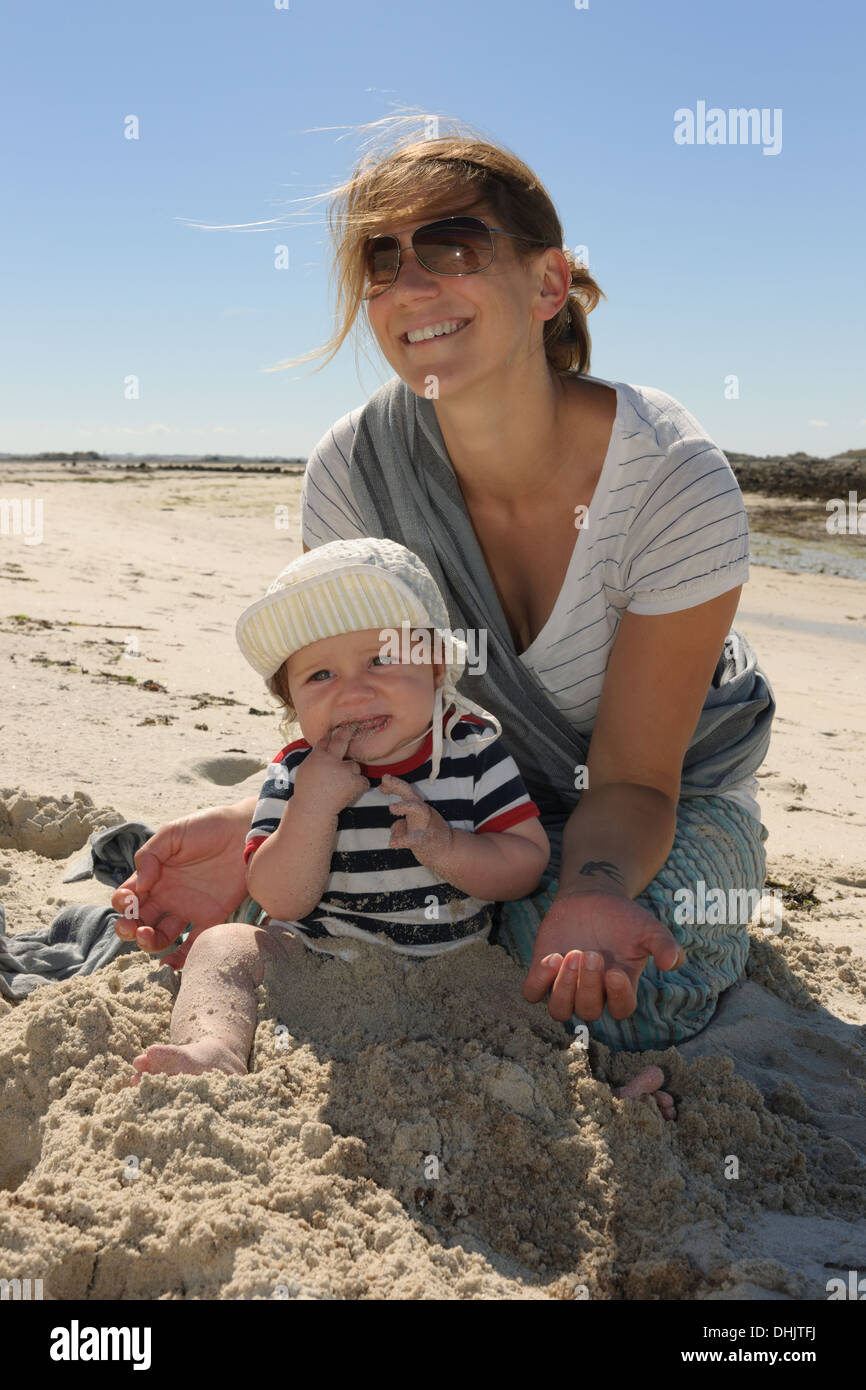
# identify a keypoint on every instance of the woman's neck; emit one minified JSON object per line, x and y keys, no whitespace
{"x":508,"y":450}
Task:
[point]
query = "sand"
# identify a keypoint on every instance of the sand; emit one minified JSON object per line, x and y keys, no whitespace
{"x":408,"y":1129}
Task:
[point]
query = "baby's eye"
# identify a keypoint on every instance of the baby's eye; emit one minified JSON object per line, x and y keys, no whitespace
{"x":385,"y":660}
{"x":323,"y":671}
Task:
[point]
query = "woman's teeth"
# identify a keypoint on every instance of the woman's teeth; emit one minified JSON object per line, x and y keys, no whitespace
{"x":437,"y":330}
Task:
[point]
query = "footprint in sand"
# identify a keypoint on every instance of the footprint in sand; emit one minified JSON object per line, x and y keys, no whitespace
{"x":224,"y":771}
{"x":52,"y":826}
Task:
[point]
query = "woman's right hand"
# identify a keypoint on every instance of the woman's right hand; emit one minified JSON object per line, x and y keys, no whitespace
{"x":618,"y":932}
{"x":191,"y":870}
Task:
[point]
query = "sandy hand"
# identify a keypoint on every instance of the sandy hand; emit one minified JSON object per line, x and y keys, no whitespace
{"x":421,"y":828}
{"x":589,"y":952}
{"x":326,"y":777}
{"x":191,"y":870}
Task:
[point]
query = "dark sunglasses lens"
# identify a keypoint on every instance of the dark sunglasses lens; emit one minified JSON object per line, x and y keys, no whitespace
{"x":382,"y":255}
{"x":455,"y":248}
{"x":458,"y":247}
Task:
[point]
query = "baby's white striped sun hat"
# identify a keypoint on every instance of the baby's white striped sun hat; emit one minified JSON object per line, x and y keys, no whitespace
{"x":350,"y":586}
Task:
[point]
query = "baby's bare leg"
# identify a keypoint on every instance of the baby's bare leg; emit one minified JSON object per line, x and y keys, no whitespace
{"x":214,"y":1016}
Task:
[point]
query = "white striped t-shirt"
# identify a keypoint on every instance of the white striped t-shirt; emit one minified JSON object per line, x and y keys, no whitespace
{"x":666,"y":530}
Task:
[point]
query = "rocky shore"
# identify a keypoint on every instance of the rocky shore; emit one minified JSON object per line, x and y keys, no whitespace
{"x":801,"y":475}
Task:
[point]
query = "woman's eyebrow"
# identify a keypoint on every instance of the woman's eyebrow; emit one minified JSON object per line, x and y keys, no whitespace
{"x":424,"y":221}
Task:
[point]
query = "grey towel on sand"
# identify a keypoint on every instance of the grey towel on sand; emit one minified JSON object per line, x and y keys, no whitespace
{"x":110,"y":854}
{"x":406,"y":490}
{"x":80,"y":939}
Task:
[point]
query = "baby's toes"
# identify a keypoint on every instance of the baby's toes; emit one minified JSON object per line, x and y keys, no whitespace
{"x":666,"y":1105}
{"x":141,"y":1065}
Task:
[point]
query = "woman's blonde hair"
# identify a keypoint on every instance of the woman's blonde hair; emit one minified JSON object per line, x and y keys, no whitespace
{"x":403,"y":180}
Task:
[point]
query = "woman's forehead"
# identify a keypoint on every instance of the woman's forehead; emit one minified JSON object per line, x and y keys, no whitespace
{"x":452,"y":210}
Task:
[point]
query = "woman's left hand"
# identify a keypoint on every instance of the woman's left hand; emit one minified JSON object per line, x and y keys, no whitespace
{"x":422,"y":830}
{"x":618,"y":933}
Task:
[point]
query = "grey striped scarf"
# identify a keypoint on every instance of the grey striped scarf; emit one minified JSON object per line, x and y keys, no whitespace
{"x":406,"y":490}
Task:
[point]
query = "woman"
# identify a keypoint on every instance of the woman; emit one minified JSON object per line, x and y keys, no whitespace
{"x":596,"y":536}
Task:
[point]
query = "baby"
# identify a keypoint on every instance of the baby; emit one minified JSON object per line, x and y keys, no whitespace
{"x":397,"y":817}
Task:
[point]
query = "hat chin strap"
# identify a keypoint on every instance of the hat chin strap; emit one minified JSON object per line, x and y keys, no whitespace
{"x":408,"y":743}
{"x":447,"y":694}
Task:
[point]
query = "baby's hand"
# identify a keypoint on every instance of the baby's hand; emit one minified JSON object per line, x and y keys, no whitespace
{"x":421,"y":828}
{"x":326,"y":777}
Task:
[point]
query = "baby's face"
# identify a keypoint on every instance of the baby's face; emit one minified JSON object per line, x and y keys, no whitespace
{"x":347,"y":680}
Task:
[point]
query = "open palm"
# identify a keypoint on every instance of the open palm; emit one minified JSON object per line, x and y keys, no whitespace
{"x":191,"y":870}
{"x":614,"y":928}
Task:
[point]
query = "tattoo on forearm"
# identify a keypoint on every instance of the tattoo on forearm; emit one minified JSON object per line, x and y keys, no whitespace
{"x":602,"y":866}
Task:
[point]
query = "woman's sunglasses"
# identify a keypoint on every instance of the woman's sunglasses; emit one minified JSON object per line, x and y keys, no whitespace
{"x":451,"y":246}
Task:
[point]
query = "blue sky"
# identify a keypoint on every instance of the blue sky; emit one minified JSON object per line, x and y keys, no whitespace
{"x":718,"y":260}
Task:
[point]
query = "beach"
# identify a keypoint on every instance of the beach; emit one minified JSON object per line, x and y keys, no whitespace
{"x":406,"y":1131}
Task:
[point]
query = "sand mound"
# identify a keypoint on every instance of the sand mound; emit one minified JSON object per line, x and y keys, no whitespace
{"x":51,"y":826}
{"x":408,"y":1130}
{"x":803,"y":970}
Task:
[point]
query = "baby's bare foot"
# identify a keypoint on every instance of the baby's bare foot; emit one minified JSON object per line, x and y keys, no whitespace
{"x":207,"y":1055}
{"x":646,"y":1083}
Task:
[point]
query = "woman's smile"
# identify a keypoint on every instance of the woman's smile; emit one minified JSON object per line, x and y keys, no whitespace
{"x":436,"y":337}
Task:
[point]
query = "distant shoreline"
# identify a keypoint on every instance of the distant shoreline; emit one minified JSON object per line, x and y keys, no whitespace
{"x":154,"y":463}
{"x":800,"y":475}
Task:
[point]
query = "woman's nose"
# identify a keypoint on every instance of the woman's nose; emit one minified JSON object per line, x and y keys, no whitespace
{"x":412,"y":275}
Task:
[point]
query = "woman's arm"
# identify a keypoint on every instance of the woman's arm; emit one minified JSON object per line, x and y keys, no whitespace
{"x":616,"y":840}
{"x":658,"y":674}
{"x":621,"y":832}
